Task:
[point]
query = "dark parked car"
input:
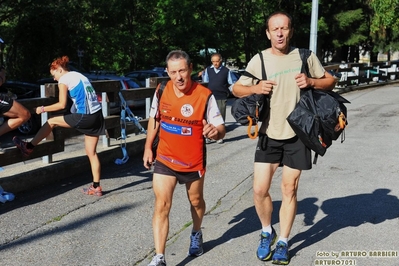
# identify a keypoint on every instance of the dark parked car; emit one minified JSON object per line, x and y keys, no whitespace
{"x":22,"y":90}
{"x":142,"y":75}
{"x":126,"y":84}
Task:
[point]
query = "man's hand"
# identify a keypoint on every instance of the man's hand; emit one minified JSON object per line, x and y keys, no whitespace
{"x":148,"y":158}
{"x":209,"y":131}
{"x":264,"y":87}
{"x":303,"y":81}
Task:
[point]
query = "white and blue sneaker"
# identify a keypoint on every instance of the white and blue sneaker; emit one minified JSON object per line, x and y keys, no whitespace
{"x":158,"y":260}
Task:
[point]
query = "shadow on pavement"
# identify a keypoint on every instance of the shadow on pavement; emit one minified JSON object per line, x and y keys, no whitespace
{"x":133,"y":167}
{"x":84,"y":221}
{"x":350,"y":211}
{"x":247,"y":222}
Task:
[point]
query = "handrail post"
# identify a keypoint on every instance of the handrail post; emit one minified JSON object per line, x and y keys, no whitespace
{"x":147,"y":107}
{"x":147,"y":100}
{"x":105,"y":109}
{"x":44,"y":117}
{"x":368,"y":71}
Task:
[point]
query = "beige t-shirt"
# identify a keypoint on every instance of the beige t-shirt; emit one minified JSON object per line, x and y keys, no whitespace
{"x":286,"y":94}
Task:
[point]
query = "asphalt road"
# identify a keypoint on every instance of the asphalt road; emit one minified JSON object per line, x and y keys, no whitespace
{"x":348,"y":211}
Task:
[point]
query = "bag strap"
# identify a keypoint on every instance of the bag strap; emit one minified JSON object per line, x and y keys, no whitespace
{"x":304,"y":54}
{"x":159,"y":91}
{"x":264,"y":77}
{"x":249,"y":131}
{"x":126,"y":115}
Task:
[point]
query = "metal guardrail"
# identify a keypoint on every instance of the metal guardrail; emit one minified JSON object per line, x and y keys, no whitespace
{"x":349,"y":76}
{"x":357,"y":74}
{"x":55,"y":142}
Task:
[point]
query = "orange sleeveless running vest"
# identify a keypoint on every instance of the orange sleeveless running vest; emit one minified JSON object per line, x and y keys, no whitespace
{"x":181,"y":143}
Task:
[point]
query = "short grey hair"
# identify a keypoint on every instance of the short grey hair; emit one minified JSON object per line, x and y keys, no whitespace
{"x":178,"y":54}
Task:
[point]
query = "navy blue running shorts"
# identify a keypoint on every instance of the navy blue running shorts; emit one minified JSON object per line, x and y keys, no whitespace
{"x":182,"y":177}
{"x":290,"y":152}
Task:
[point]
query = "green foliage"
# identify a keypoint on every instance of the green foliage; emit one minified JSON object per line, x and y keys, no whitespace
{"x":123,"y":35}
{"x":385,"y":15}
{"x":384,"y":26}
{"x":351,"y":24}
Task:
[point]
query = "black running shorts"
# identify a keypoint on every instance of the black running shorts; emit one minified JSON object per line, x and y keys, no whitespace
{"x":182,"y":177}
{"x":88,"y":124}
{"x":290,"y":152}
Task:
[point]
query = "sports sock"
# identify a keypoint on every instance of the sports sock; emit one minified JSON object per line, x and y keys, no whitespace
{"x":194,"y":232}
{"x":96,"y":184}
{"x":283,"y":239}
{"x":267,"y":229}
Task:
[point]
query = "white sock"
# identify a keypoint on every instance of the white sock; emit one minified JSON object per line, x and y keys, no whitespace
{"x":267,"y":229}
{"x":283,"y":239}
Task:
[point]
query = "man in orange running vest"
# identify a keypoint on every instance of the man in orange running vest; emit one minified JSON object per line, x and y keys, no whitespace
{"x":186,"y":115}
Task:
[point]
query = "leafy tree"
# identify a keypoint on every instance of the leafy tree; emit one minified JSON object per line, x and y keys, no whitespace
{"x":385,"y":25}
{"x":122,"y":35}
{"x":343,"y":28}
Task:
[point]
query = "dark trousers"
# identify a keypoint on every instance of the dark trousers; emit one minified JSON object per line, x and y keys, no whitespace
{"x":222,"y":108}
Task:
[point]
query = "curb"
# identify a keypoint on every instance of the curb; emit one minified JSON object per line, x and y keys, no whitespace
{"x":34,"y":174}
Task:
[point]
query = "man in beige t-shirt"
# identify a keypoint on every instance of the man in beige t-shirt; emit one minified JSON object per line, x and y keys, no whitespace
{"x":278,"y":143}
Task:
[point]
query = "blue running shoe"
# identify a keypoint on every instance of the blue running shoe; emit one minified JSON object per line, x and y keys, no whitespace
{"x":266,"y":241}
{"x":281,"y":256}
{"x":196,"y":249}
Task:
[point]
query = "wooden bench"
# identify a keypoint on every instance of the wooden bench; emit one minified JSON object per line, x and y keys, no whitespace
{"x":55,"y":142}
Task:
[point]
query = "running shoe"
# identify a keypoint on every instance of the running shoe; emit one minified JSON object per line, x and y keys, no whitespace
{"x":220,"y":141}
{"x":196,"y":249}
{"x":158,"y":260}
{"x":281,"y":255}
{"x":93,"y":191}
{"x":266,"y":241}
{"x":22,"y":146}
